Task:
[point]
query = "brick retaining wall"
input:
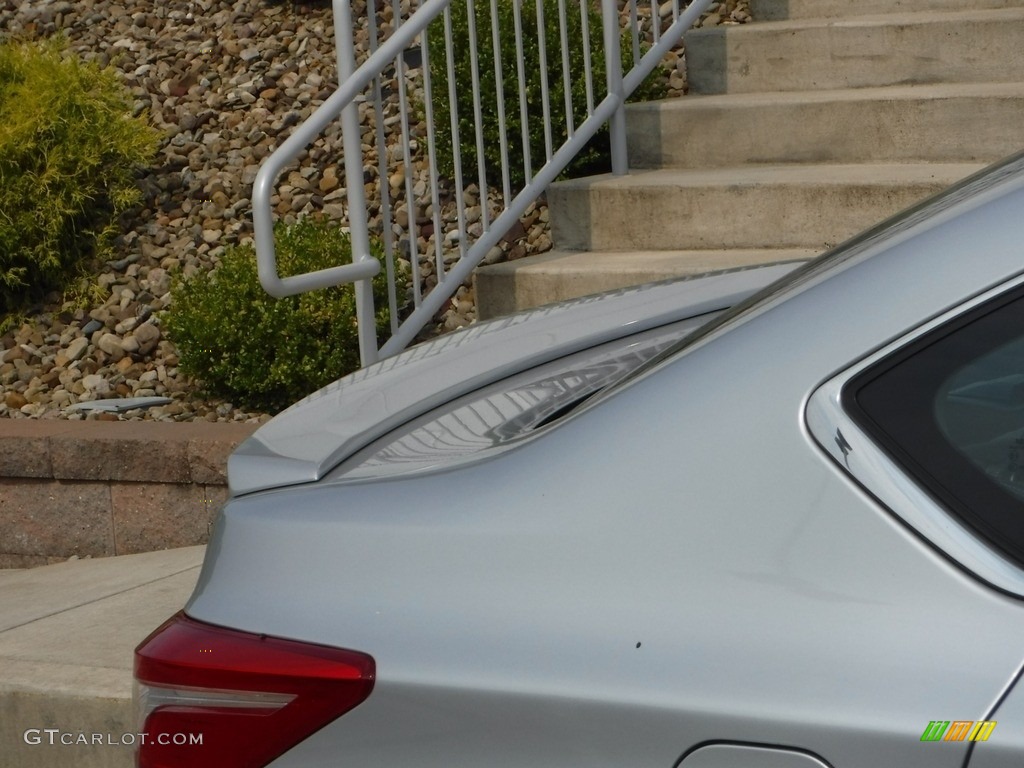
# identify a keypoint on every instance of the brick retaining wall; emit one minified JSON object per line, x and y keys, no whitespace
{"x":108,"y":488}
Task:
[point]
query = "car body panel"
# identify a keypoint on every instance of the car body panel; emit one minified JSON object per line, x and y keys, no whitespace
{"x":748,"y":756}
{"x":1006,"y":744}
{"x":850,"y":447}
{"x":677,"y":560}
{"x":822,"y":582}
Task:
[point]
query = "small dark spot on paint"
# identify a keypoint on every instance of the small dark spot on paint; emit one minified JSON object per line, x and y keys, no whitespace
{"x":638,"y":645}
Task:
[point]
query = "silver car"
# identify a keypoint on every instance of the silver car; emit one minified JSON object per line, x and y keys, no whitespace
{"x":768,"y":518}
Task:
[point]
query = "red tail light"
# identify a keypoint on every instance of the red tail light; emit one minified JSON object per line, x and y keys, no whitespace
{"x":247,"y":698}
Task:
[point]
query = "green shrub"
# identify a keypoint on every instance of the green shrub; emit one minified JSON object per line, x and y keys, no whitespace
{"x":595,"y":158}
{"x":69,"y":148}
{"x":262,"y":352}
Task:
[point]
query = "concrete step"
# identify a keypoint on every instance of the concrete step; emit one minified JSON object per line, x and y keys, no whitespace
{"x":67,"y":633}
{"x":778,"y":10}
{"x":871,"y":51}
{"x":797,"y":206}
{"x":558,"y":275}
{"x":923,"y":123}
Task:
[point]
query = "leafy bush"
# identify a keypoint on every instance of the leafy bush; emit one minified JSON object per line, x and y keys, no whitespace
{"x":262,"y":352}
{"x":69,"y":148}
{"x":595,"y":158}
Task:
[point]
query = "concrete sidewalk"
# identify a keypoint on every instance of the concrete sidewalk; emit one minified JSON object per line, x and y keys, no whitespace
{"x":67,"y":632}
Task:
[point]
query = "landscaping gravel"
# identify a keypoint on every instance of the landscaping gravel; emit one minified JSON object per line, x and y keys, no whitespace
{"x":225,"y":82}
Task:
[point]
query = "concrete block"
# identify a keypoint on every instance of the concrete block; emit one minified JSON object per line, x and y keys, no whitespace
{"x":209,"y":447}
{"x":24,"y":456}
{"x":215,"y":496}
{"x":25,"y":446}
{"x":50,"y":518}
{"x":133,"y":451}
{"x":146,"y":451}
{"x":168,"y":482}
{"x":148,"y":517}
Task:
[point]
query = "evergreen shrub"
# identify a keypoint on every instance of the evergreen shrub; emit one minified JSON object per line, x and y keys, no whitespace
{"x":69,"y":152}
{"x":266,"y":353}
{"x":595,"y":158}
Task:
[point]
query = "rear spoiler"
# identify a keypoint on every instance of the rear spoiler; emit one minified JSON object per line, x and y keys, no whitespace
{"x":313,"y":436}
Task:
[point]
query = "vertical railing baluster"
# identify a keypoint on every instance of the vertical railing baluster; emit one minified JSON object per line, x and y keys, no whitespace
{"x":524,"y":115}
{"x":352,"y":146}
{"x":588,"y":74}
{"x":453,"y":112}
{"x":499,"y":81}
{"x":563,"y":25}
{"x":435,"y":202}
{"x":545,"y":100}
{"x":634,"y":26}
{"x":412,"y":228}
{"x":382,"y":174}
{"x":474,"y":69}
{"x":655,"y":21}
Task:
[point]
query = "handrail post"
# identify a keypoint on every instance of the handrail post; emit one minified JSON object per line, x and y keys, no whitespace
{"x":357,"y":217}
{"x":613,"y":68}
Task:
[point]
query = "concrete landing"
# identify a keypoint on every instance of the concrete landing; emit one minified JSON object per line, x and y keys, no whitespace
{"x":67,"y":636}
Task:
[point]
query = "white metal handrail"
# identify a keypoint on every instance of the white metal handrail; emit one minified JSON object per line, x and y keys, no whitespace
{"x":353,"y":81}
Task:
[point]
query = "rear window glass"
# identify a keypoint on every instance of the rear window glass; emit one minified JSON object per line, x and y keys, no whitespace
{"x":950,"y":409}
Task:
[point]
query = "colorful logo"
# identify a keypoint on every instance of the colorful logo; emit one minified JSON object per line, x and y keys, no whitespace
{"x":958,"y":730}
